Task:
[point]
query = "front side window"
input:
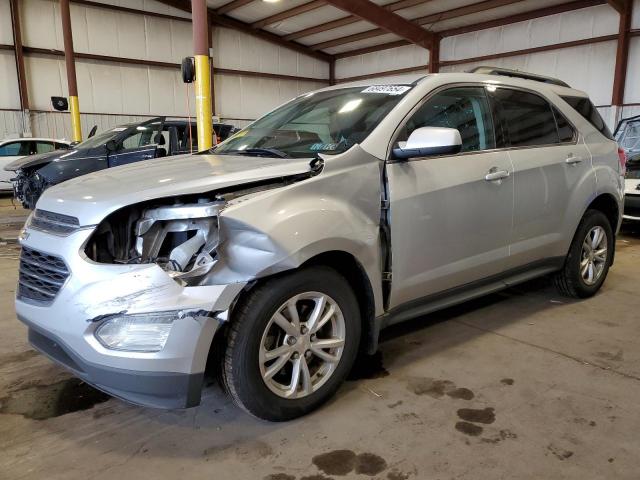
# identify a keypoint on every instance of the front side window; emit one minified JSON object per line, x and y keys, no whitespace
{"x":20,"y":148}
{"x":528,"y":118}
{"x":327,"y":122}
{"x":142,"y":136}
{"x":465,"y":109}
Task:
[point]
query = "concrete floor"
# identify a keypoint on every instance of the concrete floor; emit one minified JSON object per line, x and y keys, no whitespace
{"x":522,"y":384}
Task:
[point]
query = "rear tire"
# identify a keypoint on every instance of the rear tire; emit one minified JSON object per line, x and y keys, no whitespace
{"x":590,"y":256}
{"x":267,"y":334}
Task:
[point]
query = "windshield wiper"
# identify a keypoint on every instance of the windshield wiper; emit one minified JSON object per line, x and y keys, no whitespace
{"x":257,"y":152}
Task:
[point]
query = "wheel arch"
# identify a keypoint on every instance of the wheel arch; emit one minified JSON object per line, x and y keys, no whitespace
{"x":607,"y":204}
{"x":349,"y":267}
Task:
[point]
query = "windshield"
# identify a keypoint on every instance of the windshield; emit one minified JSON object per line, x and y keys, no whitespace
{"x":101,"y":138}
{"x":328,"y":122}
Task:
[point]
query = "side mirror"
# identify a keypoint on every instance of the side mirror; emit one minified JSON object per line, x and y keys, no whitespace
{"x":111,"y":146}
{"x":428,"y":141}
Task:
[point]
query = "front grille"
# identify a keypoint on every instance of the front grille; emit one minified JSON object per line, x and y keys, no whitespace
{"x":41,"y":275}
{"x":55,"y":223}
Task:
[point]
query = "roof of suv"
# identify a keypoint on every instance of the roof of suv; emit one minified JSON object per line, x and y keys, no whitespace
{"x":456,"y":77}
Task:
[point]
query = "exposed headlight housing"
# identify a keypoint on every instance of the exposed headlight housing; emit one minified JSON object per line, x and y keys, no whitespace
{"x":143,"y":332}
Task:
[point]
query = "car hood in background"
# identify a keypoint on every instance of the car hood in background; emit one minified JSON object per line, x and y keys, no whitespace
{"x":92,"y":197}
{"x":44,"y":158}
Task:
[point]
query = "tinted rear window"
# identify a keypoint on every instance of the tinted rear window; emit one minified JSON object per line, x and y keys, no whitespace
{"x":565,"y":130}
{"x":585,"y":108}
{"x":528,"y":117}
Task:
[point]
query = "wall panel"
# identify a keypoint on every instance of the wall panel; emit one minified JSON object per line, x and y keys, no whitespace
{"x":587,"y":67}
{"x":247,"y":98}
{"x":391,"y":59}
{"x":239,"y":51}
{"x":6,"y":33}
{"x":564,"y":27}
{"x":9,"y":96}
{"x":107,"y":32}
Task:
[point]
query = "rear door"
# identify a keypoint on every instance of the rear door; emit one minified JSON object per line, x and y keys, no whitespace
{"x":450,"y":225}
{"x":552,"y":173}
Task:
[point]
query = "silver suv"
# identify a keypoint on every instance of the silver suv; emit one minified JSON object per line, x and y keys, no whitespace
{"x":283,"y":253}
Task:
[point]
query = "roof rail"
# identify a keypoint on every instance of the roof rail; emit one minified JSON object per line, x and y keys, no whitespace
{"x":505,"y":72}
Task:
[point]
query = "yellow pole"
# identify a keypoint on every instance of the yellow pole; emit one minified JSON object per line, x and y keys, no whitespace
{"x":203,"y":102}
{"x":74,"y":109}
{"x":200,"y":23}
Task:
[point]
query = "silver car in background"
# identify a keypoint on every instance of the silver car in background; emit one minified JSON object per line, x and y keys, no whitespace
{"x":282,"y":253}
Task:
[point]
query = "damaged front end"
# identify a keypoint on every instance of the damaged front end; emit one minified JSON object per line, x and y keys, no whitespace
{"x":28,"y":185}
{"x":179,"y":237}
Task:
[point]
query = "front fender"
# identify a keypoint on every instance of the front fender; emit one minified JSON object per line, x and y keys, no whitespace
{"x":280,"y":229}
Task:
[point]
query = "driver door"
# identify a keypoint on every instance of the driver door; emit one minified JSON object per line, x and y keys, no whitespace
{"x":450,"y":224}
{"x":138,"y":145}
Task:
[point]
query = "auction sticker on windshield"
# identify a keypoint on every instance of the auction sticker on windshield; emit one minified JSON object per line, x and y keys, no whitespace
{"x":387,"y":89}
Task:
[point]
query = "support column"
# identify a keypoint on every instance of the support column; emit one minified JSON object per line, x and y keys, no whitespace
{"x":434,"y":55}
{"x":74,"y":106}
{"x":17,"y":43}
{"x":199,"y":21}
{"x":622,"y":59}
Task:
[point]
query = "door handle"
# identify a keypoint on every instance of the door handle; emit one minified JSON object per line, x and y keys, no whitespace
{"x":495,"y":174}
{"x":572,"y":160}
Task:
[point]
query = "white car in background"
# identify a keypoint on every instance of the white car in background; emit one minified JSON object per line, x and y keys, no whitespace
{"x":628,"y":137}
{"x":15,"y":148}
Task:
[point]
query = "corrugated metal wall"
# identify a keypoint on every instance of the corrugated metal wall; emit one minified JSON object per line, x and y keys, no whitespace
{"x":587,"y":67}
{"x":111,"y":93}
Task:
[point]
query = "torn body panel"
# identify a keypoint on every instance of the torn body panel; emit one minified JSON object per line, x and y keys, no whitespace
{"x":281,"y":229}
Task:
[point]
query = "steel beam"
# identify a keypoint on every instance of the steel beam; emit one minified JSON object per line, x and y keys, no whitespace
{"x":232,"y":6}
{"x":341,"y":22}
{"x":426,"y":20}
{"x":70,"y":62}
{"x":622,"y":53}
{"x":19,"y":54}
{"x":292,"y":12}
{"x":226,"y":21}
{"x":498,"y":22}
{"x":387,"y":21}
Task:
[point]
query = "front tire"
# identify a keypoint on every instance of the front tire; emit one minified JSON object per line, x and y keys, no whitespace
{"x":590,"y":256}
{"x":292,"y":341}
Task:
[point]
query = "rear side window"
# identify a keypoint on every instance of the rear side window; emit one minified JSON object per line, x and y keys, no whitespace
{"x":565,"y":130}
{"x":528,"y":118}
{"x":585,"y":108}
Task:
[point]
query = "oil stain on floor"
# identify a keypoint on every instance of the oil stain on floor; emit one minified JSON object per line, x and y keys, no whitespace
{"x":343,"y":462}
{"x":40,"y":402}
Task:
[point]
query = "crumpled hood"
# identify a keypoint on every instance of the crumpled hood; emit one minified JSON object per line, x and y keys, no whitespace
{"x":38,"y":159}
{"x":92,"y":197}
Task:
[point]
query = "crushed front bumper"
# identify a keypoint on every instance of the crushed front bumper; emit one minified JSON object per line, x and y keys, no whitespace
{"x":63,"y":329}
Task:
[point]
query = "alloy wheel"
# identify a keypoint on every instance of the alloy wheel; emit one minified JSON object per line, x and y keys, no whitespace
{"x":594,"y":255}
{"x":301,"y":345}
